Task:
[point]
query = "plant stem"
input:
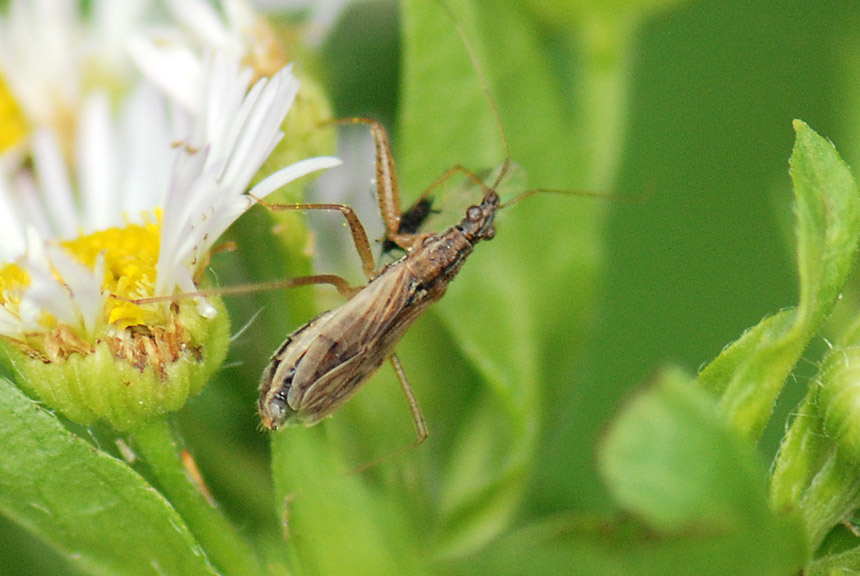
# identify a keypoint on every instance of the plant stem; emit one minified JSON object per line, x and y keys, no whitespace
{"x":159,"y":446}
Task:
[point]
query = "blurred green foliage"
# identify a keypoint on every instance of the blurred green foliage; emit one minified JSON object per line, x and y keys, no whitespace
{"x":553,"y":327}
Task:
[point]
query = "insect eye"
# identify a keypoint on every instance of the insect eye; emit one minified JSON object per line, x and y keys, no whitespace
{"x":474,"y":213}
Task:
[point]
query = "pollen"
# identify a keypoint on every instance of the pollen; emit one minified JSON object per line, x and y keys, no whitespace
{"x":130,"y":256}
{"x":12,"y":280}
{"x":11,"y":119}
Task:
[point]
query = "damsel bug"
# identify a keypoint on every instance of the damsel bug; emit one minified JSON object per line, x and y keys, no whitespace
{"x":324,"y":363}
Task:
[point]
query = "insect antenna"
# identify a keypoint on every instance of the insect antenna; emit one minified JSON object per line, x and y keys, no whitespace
{"x":628,"y":198}
{"x":488,"y":94}
{"x":507,"y":164}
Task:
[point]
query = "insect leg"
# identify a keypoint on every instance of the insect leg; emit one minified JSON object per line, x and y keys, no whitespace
{"x":417,"y":419}
{"x":417,"y":416}
{"x":387,"y":185}
{"x":339,"y":283}
{"x":359,"y":235}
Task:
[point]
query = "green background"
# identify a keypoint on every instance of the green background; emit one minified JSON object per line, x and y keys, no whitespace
{"x":611,"y":289}
{"x":713,"y":89}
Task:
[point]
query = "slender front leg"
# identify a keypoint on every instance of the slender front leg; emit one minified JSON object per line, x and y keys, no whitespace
{"x":359,"y":235}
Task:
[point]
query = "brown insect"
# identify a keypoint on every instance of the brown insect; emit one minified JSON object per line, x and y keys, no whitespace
{"x":321,"y":365}
{"x":324,"y":363}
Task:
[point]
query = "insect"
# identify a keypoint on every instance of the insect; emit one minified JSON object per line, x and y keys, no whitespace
{"x":322,"y":364}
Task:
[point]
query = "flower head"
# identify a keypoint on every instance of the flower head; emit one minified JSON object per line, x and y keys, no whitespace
{"x":131,"y":213}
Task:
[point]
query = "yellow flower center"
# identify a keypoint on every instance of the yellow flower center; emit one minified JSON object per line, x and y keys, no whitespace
{"x":13,"y":126}
{"x":130,"y":257}
{"x":12,"y":280}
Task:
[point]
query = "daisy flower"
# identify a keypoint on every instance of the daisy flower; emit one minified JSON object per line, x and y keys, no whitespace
{"x":51,"y":54}
{"x":150,"y":193}
{"x":171,"y":56}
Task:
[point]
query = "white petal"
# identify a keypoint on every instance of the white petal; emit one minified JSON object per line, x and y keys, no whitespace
{"x":33,"y":206}
{"x":201,"y":17}
{"x":44,"y":292}
{"x":175,"y":69}
{"x":144,"y":142}
{"x":12,"y":242}
{"x":232,"y":136}
{"x":56,"y":188}
{"x":82,"y":287}
{"x":11,"y":325}
{"x":263,"y":128}
{"x":292,"y":172}
{"x":97,"y":165}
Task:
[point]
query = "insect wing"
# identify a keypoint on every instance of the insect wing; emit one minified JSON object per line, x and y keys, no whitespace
{"x":350,"y":344}
{"x":337,"y":386}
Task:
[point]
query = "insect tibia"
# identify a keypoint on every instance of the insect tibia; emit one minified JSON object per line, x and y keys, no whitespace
{"x":387,"y":186}
{"x":421,"y":432}
{"x":359,"y":235}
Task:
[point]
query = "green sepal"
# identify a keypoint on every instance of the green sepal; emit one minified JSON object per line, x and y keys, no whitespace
{"x":97,"y":386}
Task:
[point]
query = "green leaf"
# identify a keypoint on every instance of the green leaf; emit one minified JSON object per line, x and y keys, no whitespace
{"x":557,"y":545}
{"x":511,"y":284}
{"x":600,"y":546}
{"x":828,"y":222}
{"x":670,"y":460}
{"x":510,"y":313}
{"x":478,"y":494}
{"x":750,"y":373}
{"x":337,"y":522}
{"x":91,"y":507}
